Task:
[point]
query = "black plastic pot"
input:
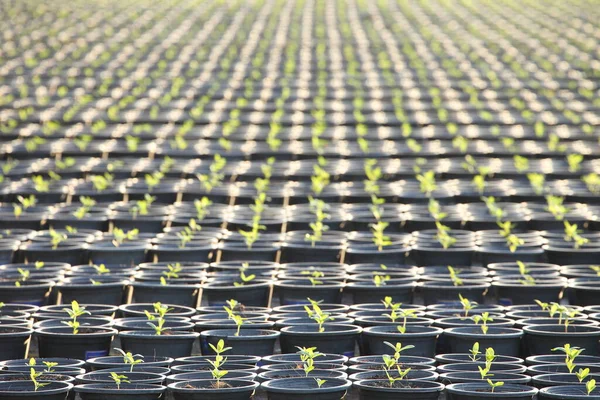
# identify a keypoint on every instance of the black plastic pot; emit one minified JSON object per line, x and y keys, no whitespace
{"x":422,"y":337}
{"x":302,"y":388}
{"x":100,"y":363}
{"x":560,"y":358}
{"x":469,"y":377}
{"x":253,"y":342}
{"x":505,"y":341}
{"x":132,"y":376}
{"x":93,"y":290}
{"x":513,"y":291}
{"x":126,"y":391}
{"x":61,"y":342}
{"x":559,"y":368}
{"x":25,"y":390}
{"x":337,"y":339}
{"x":316,"y":373}
{"x":568,"y":392}
{"x":195,"y":376}
{"x":479,"y":390}
{"x":541,"y":339}
{"x":14,"y":342}
{"x":328,"y":358}
{"x":33,"y":292}
{"x":204,"y":389}
{"x":298,"y":291}
{"x":560,"y":379}
{"x":256,"y":293}
{"x":413,"y":374}
{"x":368,"y":292}
{"x":71,"y":371}
{"x":172,"y":344}
{"x":138,"y":310}
{"x":207,"y":366}
{"x":466,"y":358}
{"x":141,"y":324}
{"x":372,"y":389}
{"x":180,"y":293}
{"x":435,"y":291}
{"x":61,"y":362}
{"x":584,"y":291}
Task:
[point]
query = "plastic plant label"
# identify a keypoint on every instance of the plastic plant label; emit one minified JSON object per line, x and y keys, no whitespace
{"x":95,"y":353}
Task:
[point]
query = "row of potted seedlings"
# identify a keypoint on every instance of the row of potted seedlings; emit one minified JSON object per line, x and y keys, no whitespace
{"x":258,"y":283}
{"x":250,"y":239}
{"x":28,"y":212}
{"x":105,"y":187}
{"x":350,"y":170}
{"x":398,"y":344}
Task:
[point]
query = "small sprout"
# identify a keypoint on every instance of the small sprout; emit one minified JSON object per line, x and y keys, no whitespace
{"x":101,"y":269}
{"x":129,"y":358}
{"x":245,"y":278}
{"x":573,"y":235}
{"x":398,"y":349}
{"x":307,"y":356}
{"x":484,"y":318}
{"x":380,"y":280}
{"x":571,"y":353}
{"x":236,"y":318}
{"x":467,"y":304}
{"x":474,"y":352}
{"x":388,"y":302}
{"x":590,"y":386}
{"x":120,"y":236}
{"x":159,"y":327}
{"x":216,"y":372}
{"x":318,"y":315}
{"x":49,"y":366}
{"x":33,"y":376}
{"x":380,"y":239}
{"x":75,"y":312}
{"x":582,"y":374}
{"x":119,"y":379}
{"x":320,"y":382}
{"x":443,"y":237}
{"x":494,"y":385}
{"x":456,"y":281}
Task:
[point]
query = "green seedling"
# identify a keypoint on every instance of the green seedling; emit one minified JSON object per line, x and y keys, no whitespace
{"x":320,"y":382}
{"x":74,"y":312}
{"x":245,"y":278}
{"x":130,"y":359}
{"x":571,"y":353}
{"x":474,"y":352}
{"x":217,"y":373}
{"x":582,"y":374}
{"x":572,"y":235}
{"x":307,"y":356}
{"x":484,"y":318}
{"x":456,"y":280}
{"x":467,"y":304}
{"x":120,"y":236}
{"x":33,"y":376}
{"x":590,"y":386}
{"x":380,"y":239}
{"x":388,"y":302}
{"x":443,"y":236}
{"x":318,"y":315}
{"x":494,"y":385}
{"x":236,"y":318}
{"x":119,"y":379}
{"x":101,"y":269}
